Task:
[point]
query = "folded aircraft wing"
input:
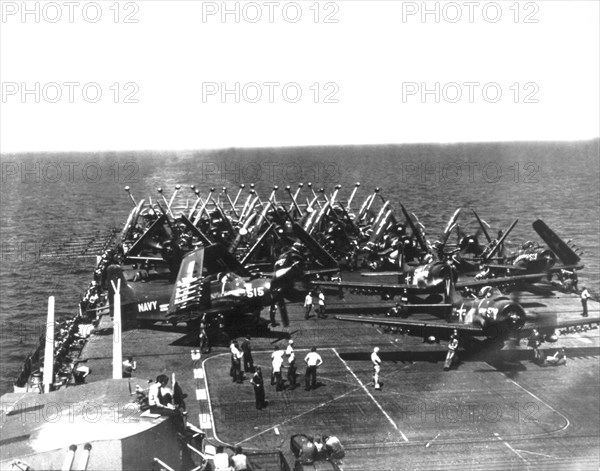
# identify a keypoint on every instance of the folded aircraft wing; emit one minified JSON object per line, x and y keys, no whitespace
{"x":556,"y":244}
{"x":416,"y":327}
{"x":381,"y":287}
{"x":554,"y":324}
{"x":505,"y":280}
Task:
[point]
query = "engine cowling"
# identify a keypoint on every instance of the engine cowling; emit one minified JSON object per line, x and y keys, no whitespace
{"x":501,"y":318}
{"x":434,"y":274}
{"x":536,"y":260}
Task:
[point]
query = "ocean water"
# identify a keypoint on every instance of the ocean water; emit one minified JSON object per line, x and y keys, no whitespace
{"x":51,"y":199}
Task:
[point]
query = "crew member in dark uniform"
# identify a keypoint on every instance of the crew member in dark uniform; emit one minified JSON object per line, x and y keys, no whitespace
{"x":259,"y":389}
{"x":248,"y":360}
{"x":204,"y":345}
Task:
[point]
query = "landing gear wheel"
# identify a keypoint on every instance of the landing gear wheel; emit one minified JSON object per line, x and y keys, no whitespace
{"x":193,"y":327}
{"x":223,"y":338}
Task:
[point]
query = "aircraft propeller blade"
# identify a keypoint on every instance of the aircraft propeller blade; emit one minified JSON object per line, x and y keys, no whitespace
{"x":481,"y":225}
{"x":450,"y":226}
{"x":416,"y":233}
{"x":499,"y":243}
{"x":128,"y":190}
{"x":352,"y":196}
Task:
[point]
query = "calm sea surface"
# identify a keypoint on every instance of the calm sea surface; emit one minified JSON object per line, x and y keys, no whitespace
{"x":50,"y":199}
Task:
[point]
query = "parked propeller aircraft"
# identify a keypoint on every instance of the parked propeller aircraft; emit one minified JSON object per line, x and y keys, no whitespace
{"x":155,"y":245}
{"x":249,"y":253}
{"x":210,"y":285}
{"x":490,"y":315}
{"x":430,"y":278}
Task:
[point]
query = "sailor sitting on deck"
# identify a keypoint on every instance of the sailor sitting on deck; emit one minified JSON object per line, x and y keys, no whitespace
{"x":240,"y":461}
{"x":80,"y":373}
{"x":335,"y":450}
{"x":129,"y":366}
{"x":160,"y":397}
{"x":221,"y":460}
{"x":559,"y":358}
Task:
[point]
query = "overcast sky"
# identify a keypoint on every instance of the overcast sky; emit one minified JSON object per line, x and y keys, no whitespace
{"x":85,"y":76}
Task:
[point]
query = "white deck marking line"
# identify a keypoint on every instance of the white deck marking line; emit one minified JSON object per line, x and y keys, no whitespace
{"x":370,"y":395}
{"x":585,"y":340}
{"x":214,"y":428}
{"x":325,"y":378}
{"x":510,"y":447}
{"x":546,"y":404}
{"x":534,"y":453}
{"x":205,"y":421}
{"x":210,"y":415}
{"x":299,"y":415}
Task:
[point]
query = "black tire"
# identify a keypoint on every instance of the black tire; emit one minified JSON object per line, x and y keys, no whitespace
{"x":223,"y":338}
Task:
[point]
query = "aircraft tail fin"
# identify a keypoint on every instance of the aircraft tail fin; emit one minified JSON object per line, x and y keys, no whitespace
{"x":565,"y":253}
{"x":187,"y":292}
{"x":114,"y":274}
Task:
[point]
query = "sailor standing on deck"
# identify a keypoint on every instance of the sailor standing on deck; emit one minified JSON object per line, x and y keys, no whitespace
{"x":535,"y":340}
{"x":585,"y":295}
{"x":313,"y":360}
{"x":321,"y":312}
{"x":308,"y":302}
{"x":259,"y":389}
{"x":291,"y":374}
{"x":272,"y":310}
{"x":203,"y":337}
{"x":248,"y":360}
{"x":376,"y":367}
{"x":452,"y":348}
{"x":236,"y":363}
{"x":277,"y":363}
